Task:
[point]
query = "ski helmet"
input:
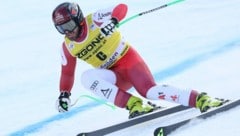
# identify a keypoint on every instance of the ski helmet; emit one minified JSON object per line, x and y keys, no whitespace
{"x":67,"y":16}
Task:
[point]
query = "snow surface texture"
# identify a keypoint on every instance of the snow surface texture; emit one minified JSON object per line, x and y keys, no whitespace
{"x":193,"y":44}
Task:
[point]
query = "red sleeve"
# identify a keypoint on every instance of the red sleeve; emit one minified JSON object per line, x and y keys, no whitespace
{"x":68,"y":70}
{"x":120,"y":11}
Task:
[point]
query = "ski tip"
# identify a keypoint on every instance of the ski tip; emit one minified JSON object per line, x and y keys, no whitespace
{"x":82,"y":134}
{"x":159,"y":132}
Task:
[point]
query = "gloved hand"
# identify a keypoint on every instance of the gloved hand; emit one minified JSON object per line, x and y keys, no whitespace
{"x":63,"y":103}
{"x":108,"y":28}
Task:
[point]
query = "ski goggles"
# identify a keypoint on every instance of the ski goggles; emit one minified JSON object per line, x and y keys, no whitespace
{"x":68,"y":26}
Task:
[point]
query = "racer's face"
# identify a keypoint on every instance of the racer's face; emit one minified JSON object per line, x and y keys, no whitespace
{"x":72,"y":35}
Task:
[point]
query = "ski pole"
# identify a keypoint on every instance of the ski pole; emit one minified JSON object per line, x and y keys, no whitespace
{"x":95,"y":99}
{"x":149,"y":11}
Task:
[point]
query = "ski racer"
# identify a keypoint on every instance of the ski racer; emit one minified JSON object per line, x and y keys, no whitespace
{"x":117,"y":66}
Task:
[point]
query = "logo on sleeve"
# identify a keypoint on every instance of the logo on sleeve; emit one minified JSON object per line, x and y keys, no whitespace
{"x":102,"y":15}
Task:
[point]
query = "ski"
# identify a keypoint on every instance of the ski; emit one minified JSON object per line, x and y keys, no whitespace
{"x":134,"y":121}
{"x":166,"y":130}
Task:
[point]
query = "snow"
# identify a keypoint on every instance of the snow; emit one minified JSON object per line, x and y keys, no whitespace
{"x":192,"y":44}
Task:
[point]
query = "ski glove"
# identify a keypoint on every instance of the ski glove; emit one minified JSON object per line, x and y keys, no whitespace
{"x":63,"y":103}
{"x":108,"y":28}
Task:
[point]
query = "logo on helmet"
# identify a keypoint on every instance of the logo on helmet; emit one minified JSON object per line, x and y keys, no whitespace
{"x":59,"y":17}
{"x":74,"y":11}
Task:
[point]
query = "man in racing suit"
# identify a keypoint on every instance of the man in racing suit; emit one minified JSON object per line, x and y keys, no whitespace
{"x":117,"y":66}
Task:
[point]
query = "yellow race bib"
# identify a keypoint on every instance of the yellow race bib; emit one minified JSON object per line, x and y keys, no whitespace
{"x":97,"y":49}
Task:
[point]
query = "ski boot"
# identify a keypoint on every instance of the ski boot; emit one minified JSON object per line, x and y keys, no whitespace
{"x":136,"y":107}
{"x":205,"y":102}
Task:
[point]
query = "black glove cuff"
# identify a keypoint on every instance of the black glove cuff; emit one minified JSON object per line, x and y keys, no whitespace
{"x":114,"y":21}
{"x":64,"y":95}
